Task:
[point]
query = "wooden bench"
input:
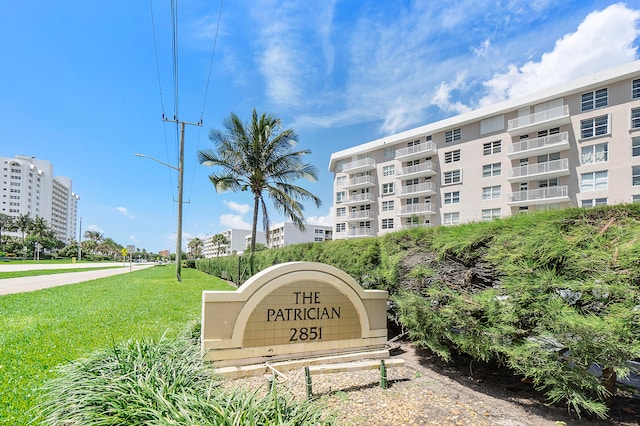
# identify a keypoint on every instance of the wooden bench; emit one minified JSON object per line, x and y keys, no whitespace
{"x":382,"y":365}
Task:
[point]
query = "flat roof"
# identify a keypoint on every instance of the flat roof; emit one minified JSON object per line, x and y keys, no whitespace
{"x":608,"y":76}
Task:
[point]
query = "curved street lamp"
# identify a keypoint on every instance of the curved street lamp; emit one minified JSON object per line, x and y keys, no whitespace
{"x":180,"y":170}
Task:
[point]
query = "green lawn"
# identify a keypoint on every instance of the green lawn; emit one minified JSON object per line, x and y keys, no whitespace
{"x":36,"y":272}
{"x":42,"y":329}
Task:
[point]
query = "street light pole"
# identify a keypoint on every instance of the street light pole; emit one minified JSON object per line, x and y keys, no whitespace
{"x":180,"y":170}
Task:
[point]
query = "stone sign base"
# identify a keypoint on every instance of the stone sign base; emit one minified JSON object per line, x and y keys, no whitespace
{"x":289,"y":311}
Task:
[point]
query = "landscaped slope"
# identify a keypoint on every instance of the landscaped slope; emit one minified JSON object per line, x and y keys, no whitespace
{"x":554,"y":295}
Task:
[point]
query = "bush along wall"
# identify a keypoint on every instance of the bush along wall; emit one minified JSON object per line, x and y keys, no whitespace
{"x":563,"y":301}
{"x":554,"y":295}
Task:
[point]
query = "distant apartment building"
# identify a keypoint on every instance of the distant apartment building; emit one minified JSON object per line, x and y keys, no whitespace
{"x":29,"y":187}
{"x":286,"y":233}
{"x":574,"y":145}
{"x":236,"y":243}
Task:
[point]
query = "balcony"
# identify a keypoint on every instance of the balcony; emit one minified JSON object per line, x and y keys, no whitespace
{"x":415,"y":209}
{"x":539,"y":146}
{"x":356,"y":233}
{"x":360,"y":182}
{"x":423,"y":169}
{"x":413,"y":226}
{"x":541,"y":120}
{"x":548,"y":195}
{"x":358,"y":215}
{"x":359,"y":166}
{"x":424,"y":149}
{"x":546,"y":170}
{"x":359,"y":199}
{"x":425,"y":188}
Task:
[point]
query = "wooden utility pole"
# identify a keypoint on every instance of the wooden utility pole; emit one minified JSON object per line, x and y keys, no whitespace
{"x":180,"y":169}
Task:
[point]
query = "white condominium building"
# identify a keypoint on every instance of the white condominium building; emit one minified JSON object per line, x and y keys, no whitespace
{"x":28,"y":187}
{"x":573,"y":145}
{"x":236,"y":241}
{"x":284,"y":234}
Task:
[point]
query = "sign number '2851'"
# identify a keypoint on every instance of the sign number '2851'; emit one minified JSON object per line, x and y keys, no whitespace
{"x":304,"y":334}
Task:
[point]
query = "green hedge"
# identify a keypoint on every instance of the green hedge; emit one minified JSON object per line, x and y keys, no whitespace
{"x":563,"y":293}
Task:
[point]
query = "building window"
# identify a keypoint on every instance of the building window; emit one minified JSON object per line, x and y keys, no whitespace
{"x":341,"y":180}
{"x":635,"y":89}
{"x":454,"y":176}
{"x":636,"y":198}
{"x":340,"y":196}
{"x":389,"y":170}
{"x":494,"y":169}
{"x":490,"y":214}
{"x":595,"y":99}
{"x":594,"y":202}
{"x":341,"y":227}
{"x":492,"y":147}
{"x":491,"y":192}
{"x":341,"y":212}
{"x":596,"y":126}
{"x":452,"y":218}
{"x":387,"y":223}
{"x":387,"y":206}
{"x":389,"y":153}
{"x":452,"y":156}
{"x":387,"y":188}
{"x":452,"y":197}
{"x":595,"y":181}
{"x":594,"y":154}
{"x":635,"y":147}
{"x":635,"y":118}
{"x":635,"y":175}
{"x":452,"y":135}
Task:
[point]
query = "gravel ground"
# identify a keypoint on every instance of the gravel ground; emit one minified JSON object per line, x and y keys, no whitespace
{"x":428,"y":392}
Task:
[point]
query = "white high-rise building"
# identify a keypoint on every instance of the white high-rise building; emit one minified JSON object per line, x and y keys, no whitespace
{"x":28,"y":186}
{"x":573,"y":145}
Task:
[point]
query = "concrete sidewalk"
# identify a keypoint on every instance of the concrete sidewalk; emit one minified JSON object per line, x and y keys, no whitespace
{"x":24,"y":284}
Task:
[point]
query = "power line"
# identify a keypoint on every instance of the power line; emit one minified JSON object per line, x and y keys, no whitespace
{"x":213,"y":51}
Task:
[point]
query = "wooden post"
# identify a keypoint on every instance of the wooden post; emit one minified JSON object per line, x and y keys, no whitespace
{"x":308,"y":376}
{"x":383,"y":374}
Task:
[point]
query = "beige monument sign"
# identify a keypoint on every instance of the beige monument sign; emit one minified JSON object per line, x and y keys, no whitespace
{"x":292,"y":310}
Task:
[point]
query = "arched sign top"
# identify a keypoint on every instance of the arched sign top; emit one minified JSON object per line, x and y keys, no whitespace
{"x":289,"y":310}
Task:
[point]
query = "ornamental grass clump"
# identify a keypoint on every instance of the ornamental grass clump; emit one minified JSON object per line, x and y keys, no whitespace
{"x":159,"y":382}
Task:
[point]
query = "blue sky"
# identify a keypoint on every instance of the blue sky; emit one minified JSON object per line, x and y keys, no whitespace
{"x":82,"y":87}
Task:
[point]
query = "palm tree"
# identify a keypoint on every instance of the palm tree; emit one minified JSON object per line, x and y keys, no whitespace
{"x":259,"y":156}
{"x":219,"y":240}
{"x":40,"y":228}
{"x":6,"y":223}
{"x":195,"y":247}
{"x":23,"y":224}
{"x":94,"y":236}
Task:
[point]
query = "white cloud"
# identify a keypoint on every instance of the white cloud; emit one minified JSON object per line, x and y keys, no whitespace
{"x":124,"y":211}
{"x":234,"y":221}
{"x":327,"y":220}
{"x":240,"y":208}
{"x":133,"y":238}
{"x":603,"y":40}
{"x":95,"y":228}
{"x":442,"y":95}
{"x":483,"y":49}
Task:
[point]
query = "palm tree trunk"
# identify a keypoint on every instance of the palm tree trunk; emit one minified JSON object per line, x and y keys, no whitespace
{"x":254,"y":227}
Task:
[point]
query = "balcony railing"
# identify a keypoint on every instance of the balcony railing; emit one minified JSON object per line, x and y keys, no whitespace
{"x":546,"y":195}
{"x":547,"y":169}
{"x":541,"y":119}
{"x":359,"y":198}
{"x":360,"y":182}
{"x":417,"y":209}
{"x":426,"y":168}
{"x":537,"y":146}
{"x":424,"y":148}
{"x":355,"y":233}
{"x":359,"y":215}
{"x":364,"y":164}
{"x":416,"y":189}
{"x":414,"y":225}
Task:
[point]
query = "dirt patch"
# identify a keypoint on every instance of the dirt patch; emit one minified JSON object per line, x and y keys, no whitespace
{"x":427,"y":391}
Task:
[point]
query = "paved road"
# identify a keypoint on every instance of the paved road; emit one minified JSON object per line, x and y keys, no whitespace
{"x":19,"y":285}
